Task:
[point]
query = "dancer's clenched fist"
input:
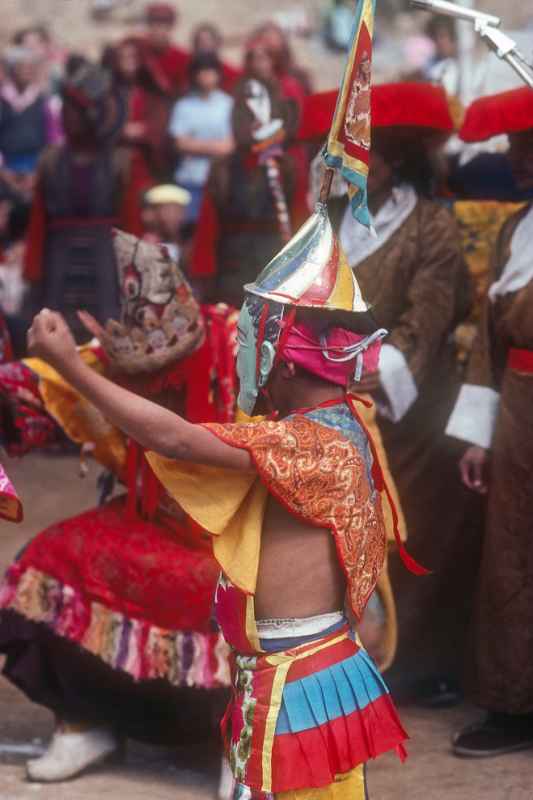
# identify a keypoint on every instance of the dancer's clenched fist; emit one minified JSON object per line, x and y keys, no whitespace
{"x":50,"y":338}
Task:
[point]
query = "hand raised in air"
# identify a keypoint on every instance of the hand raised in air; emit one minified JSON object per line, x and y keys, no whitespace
{"x":50,"y":338}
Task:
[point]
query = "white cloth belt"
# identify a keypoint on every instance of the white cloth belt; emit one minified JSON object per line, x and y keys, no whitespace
{"x":293,"y":628}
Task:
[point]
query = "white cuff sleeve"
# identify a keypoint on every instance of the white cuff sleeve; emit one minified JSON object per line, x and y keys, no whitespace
{"x":397,"y":383}
{"x":474,"y":416}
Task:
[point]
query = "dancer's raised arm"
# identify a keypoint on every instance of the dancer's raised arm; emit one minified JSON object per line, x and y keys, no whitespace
{"x":155,"y":428}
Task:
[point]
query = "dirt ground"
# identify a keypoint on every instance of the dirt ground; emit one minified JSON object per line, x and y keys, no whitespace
{"x":50,"y":489}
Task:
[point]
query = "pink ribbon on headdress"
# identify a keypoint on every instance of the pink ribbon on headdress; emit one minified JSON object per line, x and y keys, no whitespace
{"x":335,"y":356}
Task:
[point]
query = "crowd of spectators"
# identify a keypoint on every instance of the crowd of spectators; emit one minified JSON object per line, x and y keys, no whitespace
{"x":172,"y":116}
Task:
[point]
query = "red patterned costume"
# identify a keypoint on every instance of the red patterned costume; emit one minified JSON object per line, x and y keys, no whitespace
{"x":131,"y":582}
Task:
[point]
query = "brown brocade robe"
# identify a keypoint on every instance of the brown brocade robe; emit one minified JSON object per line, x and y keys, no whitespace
{"x":418,"y":285}
{"x":501,"y":416}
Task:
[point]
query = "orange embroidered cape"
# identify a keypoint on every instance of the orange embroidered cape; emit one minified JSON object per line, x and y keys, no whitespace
{"x":324,"y":479}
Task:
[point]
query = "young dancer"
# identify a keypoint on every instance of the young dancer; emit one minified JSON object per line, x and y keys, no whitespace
{"x":294,"y":504}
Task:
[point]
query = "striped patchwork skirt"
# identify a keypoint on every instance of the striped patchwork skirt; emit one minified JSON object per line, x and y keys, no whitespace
{"x":309,"y":718}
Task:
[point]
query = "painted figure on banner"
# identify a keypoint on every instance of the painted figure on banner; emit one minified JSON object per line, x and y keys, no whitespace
{"x":357,"y":126}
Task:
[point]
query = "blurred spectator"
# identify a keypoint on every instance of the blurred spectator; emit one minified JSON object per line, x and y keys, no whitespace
{"x":13,"y":227}
{"x":149,"y":103}
{"x":85,"y":188}
{"x":295,"y":81}
{"x":28,"y":122}
{"x":74,"y":62}
{"x":201,"y":127}
{"x":339,"y":25}
{"x":260,"y":65}
{"x":246,"y":215}
{"x":207,"y":38}
{"x":50,"y":57}
{"x":171,"y":61}
{"x":168,"y":208}
{"x":14,"y":214}
{"x":443,"y":67}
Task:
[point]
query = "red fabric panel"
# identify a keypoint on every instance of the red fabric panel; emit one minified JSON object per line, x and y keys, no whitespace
{"x":262,"y":691}
{"x":27,"y":426}
{"x":144,"y":570}
{"x":152,"y":109}
{"x":324,"y":659}
{"x":230,"y":76}
{"x":139,"y":181}
{"x":171,"y":64}
{"x":35,"y":238}
{"x":231,"y":606}
{"x":203,"y":255}
{"x":521,"y":360}
{"x":298,"y":759}
{"x":317,"y":115}
{"x":293,"y":89}
{"x":6,"y":348}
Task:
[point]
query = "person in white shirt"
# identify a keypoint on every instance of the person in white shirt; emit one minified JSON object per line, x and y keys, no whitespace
{"x":201,"y":128}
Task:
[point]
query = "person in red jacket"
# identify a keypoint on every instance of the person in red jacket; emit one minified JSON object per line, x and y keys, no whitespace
{"x":150,"y":97}
{"x":172,"y":61}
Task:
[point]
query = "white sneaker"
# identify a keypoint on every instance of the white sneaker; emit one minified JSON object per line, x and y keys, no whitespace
{"x":226,"y":786}
{"x":70,"y":753}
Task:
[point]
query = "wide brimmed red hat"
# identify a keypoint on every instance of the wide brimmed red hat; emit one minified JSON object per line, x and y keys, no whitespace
{"x":506,"y":112}
{"x":394,"y":105}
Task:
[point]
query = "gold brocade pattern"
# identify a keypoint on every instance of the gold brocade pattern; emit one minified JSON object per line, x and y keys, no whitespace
{"x":480,"y":222}
{"x":321,"y":478}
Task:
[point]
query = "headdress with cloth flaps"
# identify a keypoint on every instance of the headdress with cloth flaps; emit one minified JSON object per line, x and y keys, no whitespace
{"x":160,"y":321}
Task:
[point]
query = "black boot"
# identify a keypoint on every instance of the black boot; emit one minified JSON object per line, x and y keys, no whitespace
{"x":496,"y":735}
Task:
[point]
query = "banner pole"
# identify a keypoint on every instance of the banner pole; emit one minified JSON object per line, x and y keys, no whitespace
{"x":325,"y":189}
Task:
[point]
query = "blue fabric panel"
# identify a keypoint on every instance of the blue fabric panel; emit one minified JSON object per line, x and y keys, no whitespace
{"x":337,"y":691}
